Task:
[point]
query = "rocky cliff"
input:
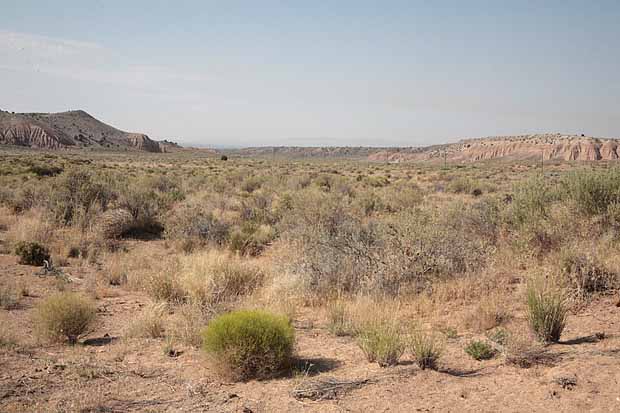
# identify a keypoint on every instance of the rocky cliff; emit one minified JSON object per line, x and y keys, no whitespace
{"x":73,"y":129}
{"x":522,"y":147}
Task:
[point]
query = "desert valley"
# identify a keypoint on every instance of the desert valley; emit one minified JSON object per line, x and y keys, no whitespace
{"x":142,"y":276}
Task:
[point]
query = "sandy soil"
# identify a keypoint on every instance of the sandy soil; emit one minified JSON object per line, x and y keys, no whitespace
{"x":107,"y":373}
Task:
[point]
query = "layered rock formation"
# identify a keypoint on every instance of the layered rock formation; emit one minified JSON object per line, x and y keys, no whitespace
{"x":523,"y":147}
{"x":73,"y":129}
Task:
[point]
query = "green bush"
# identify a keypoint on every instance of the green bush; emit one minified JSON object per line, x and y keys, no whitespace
{"x":65,"y":316}
{"x":480,"y":350}
{"x":31,"y":253}
{"x":546,"y":310}
{"x":592,"y":191}
{"x":426,"y":348}
{"x":249,"y":344}
{"x":531,"y":201}
{"x":381,"y":341}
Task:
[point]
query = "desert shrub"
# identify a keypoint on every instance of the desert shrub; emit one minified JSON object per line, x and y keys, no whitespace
{"x":168,"y":189}
{"x":368,"y":203}
{"x":499,"y":336}
{"x":426,"y":348}
{"x":340,"y":322}
{"x":343,"y":252}
{"x":45,"y":170}
{"x":251,"y":239}
{"x":251,"y":184}
{"x":256,"y":209}
{"x":546,"y":310}
{"x":214,"y":278}
{"x":521,"y":352}
{"x":377,"y":181}
{"x":31,"y":253}
{"x":9,"y":297}
{"x":421,"y":246}
{"x":187,"y":324}
{"x":7,"y":339}
{"x":480,"y":350}
{"x":482,"y":218}
{"x":144,"y":206}
{"x":530,"y":202}
{"x":65,"y":315}
{"x":488,"y":314}
{"x":249,"y":344}
{"x":115,"y":223}
{"x":464,"y":185}
{"x":164,"y":285}
{"x":223,"y":158}
{"x":402,"y":197}
{"x":337,"y":250}
{"x":195,"y":223}
{"x":381,"y":341}
{"x":75,"y":194}
{"x":613,"y":215}
{"x":150,"y":322}
{"x":584,"y":273}
{"x":592,"y":192}
{"x":324,"y":182}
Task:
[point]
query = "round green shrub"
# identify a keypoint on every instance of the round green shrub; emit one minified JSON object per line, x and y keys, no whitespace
{"x":249,"y":343}
{"x":31,"y":253}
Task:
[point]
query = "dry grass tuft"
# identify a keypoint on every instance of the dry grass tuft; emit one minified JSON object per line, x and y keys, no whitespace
{"x":546,"y":309}
{"x":150,"y":323}
{"x":215,"y":278}
{"x":64,"y":316}
{"x":427,"y":348}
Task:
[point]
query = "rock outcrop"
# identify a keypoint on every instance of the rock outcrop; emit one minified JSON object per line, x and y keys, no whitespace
{"x":73,"y":129}
{"x":523,"y":147}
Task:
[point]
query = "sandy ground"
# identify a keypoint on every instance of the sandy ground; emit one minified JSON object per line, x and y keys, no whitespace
{"x":106,"y":373}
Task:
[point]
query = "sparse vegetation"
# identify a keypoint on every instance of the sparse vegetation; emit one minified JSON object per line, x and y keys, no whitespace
{"x":170,"y":244}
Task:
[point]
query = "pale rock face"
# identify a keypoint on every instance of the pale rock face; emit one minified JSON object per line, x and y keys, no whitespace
{"x":66,"y":130}
{"x":545,"y":146}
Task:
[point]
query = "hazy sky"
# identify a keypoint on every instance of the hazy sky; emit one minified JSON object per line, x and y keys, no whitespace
{"x":317,"y":72}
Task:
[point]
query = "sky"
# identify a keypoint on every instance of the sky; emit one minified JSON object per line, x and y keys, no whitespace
{"x":310,"y":73}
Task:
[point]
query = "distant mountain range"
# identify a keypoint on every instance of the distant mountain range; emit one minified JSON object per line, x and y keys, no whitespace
{"x":73,"y":129}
